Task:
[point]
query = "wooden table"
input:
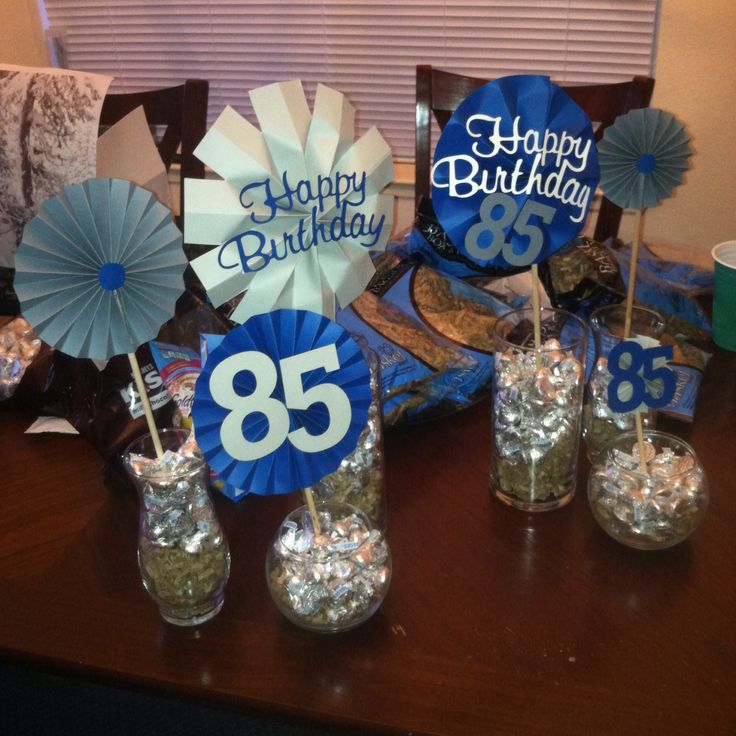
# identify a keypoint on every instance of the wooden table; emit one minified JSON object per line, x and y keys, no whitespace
{"x":497,"y":621}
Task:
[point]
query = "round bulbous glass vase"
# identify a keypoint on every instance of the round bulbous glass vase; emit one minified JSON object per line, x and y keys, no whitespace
{"x":332,"y":579}
{"x":652,"y":504}
{"x":183,"y":555}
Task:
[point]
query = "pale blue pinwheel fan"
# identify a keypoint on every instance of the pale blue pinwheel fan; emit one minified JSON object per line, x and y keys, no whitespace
{"x":100,"y":268}
{"x":642,"y":158}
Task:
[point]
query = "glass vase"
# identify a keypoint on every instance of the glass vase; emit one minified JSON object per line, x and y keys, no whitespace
{"x":333,"y":579}
{"x":537,"y":401}
{"x":359,"y":478}
{"x":649,"y":505}
{"x":601,"y":425}
{"x":183,"y":555}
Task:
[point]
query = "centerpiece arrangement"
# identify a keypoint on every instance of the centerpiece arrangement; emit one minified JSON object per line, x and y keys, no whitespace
{"x":514,"y":174}
{"x":284,"y":399}
{"x":290,"y":401}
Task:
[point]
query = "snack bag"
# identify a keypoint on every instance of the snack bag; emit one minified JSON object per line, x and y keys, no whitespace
{"x":179,"y":368}
{"x":433,"y":335}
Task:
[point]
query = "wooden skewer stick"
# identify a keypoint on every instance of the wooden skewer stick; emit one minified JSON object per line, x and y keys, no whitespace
{"x":632,"y":275}
{"x":138,"y":378}
{"x":627,"y":328}
{"x":537,"y":309}
{"x":309,"y":496}
{"x":640,"y":441}
{"x":147,"y":410}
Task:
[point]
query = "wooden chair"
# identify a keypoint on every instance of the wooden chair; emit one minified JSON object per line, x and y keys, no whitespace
{"x":441,"y":92}
{"x":183,"y":112}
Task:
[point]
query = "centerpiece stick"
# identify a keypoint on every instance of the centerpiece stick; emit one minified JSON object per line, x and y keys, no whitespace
{"x":642,"y":156}
{"x":627,"y":329}
{"x":632,"y":273}
{"x":537,"y":315}
{"x":538,"y":386}
{"x":309,"y":498}
{"x":138,"y":378}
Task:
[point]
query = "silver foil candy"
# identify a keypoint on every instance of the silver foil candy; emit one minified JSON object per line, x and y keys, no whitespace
{"x":18,"y":347}
{"x":332,"y":578}
{"x":174,"y":493}
{"x":359,"y":478}
{"x":535,"y":406}
{"x":653,"y":506}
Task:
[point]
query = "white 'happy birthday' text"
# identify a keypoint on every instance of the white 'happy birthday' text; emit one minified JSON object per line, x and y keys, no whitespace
{"x":565,"y":154}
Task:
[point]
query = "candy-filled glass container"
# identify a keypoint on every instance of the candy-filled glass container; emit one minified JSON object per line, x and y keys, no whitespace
{"x":652,"y":503}
{"x":537,"y":401}
{"x":183,"y":555}
{"x":329,"y":579}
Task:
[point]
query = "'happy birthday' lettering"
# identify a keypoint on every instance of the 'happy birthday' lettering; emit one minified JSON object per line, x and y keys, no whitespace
{"x":567,"y":155}
{"x":328,"y":192}
{"x":252,"y":250}
{"x":323,"y":206}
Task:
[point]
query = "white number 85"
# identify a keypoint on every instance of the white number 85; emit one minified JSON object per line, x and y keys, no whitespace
{"x":262,"y":401}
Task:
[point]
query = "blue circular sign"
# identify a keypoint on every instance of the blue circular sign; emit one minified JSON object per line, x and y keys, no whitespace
{"x":281,"y":401}
{"x":514,"y":173}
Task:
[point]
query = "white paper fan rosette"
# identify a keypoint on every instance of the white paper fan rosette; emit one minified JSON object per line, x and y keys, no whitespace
{"x":100,"y":268}
{"x":312,"y":248}
{"x":642,"y":157}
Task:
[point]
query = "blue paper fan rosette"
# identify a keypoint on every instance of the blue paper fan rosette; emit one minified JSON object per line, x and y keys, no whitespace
{"x":643,"y":156}
{"x":100,"y":269}
{"x":541,"y":107}
{"x":279,"y":335}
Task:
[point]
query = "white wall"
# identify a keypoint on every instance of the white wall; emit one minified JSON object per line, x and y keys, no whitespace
{"x":21,"y":35}
{"x":696,"y":81}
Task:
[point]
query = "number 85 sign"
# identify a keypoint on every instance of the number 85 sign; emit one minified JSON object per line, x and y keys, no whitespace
{"x":281,"y":401}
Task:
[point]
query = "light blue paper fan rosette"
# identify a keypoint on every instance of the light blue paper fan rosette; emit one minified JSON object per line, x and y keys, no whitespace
{"x":100,"y":269}
{"x":642,"y":158}
{"x":279,"y":335}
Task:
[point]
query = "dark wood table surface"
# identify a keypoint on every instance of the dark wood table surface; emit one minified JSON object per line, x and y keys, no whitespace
{"x":497,"y":621}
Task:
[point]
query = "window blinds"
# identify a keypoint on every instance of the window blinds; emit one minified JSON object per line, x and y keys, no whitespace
{"x":367,"y":50}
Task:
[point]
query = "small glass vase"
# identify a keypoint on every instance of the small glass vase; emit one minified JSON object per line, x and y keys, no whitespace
{"x":537,"y":401}
{"x":183,"y":555}
{"x":331,"y":581}
{"x":653,"y":505}
{"x":601,"y":425}
{"x":359,"y":478}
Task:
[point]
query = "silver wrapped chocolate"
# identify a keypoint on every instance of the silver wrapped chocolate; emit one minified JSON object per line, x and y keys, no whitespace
{"x":183,"y":555}
{"x":18,"y":347}
{"x":333,"y":580}
{"x":651,"y":504}
{"x":536,"y":410}
{"x":359,"y":478}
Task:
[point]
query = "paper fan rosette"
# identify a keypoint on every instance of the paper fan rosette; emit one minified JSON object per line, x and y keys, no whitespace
{"x":275,"y":431}
{"x":514,"y":172}
{"x":99,"y":269}
{"x":298,"y":209}
{"x":643,"y":156}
